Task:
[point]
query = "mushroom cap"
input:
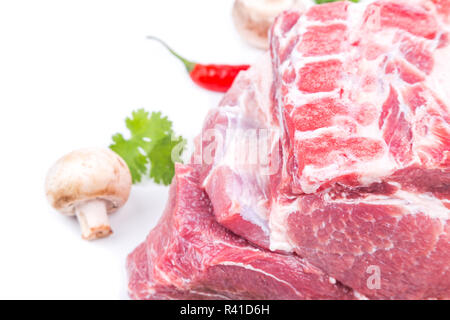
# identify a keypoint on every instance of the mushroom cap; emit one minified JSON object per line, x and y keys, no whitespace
{"x":253,"y":18}
{"x":88,"y":174}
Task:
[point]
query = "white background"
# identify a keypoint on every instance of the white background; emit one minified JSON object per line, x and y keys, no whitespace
{"x":70,"y":72}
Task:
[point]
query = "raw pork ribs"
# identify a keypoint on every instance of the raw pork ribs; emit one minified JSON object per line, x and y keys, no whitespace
{"x":348,"y":193}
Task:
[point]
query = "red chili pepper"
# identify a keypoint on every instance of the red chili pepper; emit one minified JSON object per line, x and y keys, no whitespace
{"x":214,"y":77}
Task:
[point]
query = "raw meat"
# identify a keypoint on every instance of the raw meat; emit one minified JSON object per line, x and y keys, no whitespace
{"x":364,"y":132}
{"x":190,"y":256}
{"x":368,"y":139}
{"x":351,"y":171}
{"x":350,"y":111}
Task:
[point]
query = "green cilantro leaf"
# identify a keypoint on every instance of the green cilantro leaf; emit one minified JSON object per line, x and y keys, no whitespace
{"x":149,"y":149}
{"x":326,"y":1}
{"x":147,"y":130}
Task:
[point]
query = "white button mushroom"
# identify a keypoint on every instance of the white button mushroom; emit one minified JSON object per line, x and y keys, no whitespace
{"x":253,"y":18}
{"x":89,"y":183}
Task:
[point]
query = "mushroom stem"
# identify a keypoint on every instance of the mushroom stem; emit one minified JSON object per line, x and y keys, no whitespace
{"x":93,"y":218}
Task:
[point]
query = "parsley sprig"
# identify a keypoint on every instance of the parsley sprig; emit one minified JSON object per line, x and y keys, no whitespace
{"x":152,"y":148}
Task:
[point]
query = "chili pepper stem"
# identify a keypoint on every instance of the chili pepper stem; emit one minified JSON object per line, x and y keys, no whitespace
{"x":190,"y":65}
{"x":213,"y":77}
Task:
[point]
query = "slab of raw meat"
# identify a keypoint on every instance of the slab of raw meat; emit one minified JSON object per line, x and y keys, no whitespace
{"x":357,"y":99}
{"x":361,"y":94}
{"x":188,"y":255}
